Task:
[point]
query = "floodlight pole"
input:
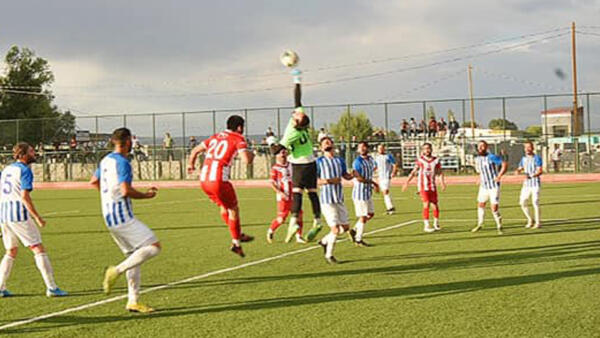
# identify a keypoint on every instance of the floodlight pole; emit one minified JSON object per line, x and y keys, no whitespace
{"x":472,"y":103}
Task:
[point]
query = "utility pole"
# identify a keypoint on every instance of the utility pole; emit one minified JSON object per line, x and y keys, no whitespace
{"x":575,"y":132}
{"x":472,"y":103}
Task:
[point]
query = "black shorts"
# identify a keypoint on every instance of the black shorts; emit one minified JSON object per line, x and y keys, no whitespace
{"x":304,"y":175}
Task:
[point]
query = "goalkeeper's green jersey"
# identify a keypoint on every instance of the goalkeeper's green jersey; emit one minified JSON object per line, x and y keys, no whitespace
{"x":299,"y":144}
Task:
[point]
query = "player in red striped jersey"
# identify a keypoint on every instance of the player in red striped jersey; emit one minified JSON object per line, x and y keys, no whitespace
{"x":428,"y":167}
{"x":220,"y":150}
{"x":281,"y":181}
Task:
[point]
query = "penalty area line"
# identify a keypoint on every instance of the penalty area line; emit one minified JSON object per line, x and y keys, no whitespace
{"x":187,"y":280}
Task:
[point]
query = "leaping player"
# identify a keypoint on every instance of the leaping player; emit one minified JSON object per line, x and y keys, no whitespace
{"x":281,"y":182}
{"x":18,"y":218}
{"x":330,"y":170}
{"x":428,"y":167}
{"x":531,"y":166}
{"x":220,"y":150}
{"x":489,"y":184}
{"x":386,"y":169}
{"x":362,"y":192}
{"x":113,"y":179}
{"x":296,"y":139}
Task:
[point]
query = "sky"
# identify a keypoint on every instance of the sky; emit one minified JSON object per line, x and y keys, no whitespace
{"x":129,"y":57}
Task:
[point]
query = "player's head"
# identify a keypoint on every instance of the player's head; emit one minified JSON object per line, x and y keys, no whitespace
{"x":23,"y":151}
{"x":482,"y":147}
{"x":363,"y":148}
{"x":381,"y":148}
{"x":121,"y":138}
{"x":326,"y":144}
{"x":427,"y":149}
{"x":236,"y":123}
{"x":528,"y":147}
{"x":280,"y":152}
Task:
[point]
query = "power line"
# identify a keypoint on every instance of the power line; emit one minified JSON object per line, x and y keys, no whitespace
{"x":423,"y":86}
{"x":518,"y":80}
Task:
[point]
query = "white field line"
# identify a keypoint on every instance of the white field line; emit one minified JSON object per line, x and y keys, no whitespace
{"x":521,"y":219}
{"x":187,"y":280}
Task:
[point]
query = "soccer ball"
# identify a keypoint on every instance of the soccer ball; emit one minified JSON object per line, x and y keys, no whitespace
{"x":289,"y":58}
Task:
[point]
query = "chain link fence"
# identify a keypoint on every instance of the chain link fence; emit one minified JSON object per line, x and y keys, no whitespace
{"x":73,"y":155}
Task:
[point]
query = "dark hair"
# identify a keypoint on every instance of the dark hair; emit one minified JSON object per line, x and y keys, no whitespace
{"x":364,"y":142}
{"x":120,"y":136}
{"x":528,"y":142}
{"x":483,"y":141}
{"x":20,"y":150}
{"x":427,"y":144}
{"x":325,"y":138}
{"x":235,"y":121}
{"x":303,"y":123}
{"x":276,"y":148}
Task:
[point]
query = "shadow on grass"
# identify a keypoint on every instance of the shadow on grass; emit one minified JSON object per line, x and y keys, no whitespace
{"x":174,"y":228}
{"x":418,"y":291}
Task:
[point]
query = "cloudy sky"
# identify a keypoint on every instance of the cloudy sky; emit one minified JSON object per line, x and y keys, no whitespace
{"x":163,"y":56}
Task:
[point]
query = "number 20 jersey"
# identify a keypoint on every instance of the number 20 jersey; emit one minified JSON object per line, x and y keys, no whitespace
{"x":221,"y":149}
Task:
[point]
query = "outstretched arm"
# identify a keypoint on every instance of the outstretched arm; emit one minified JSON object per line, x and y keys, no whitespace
{"x":194,"y":155}
{"x":410,"y":177}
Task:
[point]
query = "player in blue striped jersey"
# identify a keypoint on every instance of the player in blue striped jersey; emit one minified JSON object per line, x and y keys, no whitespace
{"x":491,"y":168}
{"x":386,"y":169}
{"x":362,"y":192}
{"x":531,"y":166}
{"x":113,"y":179}
{"x":18,"y":218}
{"x":330,"y":171}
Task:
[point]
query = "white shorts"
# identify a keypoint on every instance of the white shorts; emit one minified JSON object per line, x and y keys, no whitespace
{"x":527,"y":192}
{"x":25,"y":232}
{"x":384,"y":184}
{"x":132,"y":236}
{"x":335,"y":214}
{"x":493,"y":195}
{"x":363,"y":208}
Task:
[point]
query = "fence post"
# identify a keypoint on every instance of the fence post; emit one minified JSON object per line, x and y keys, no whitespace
{"x":426,"y":127}
{"x":182,"y":169}
{"x":124,"y":120}
{"x":546,"y":132}
{"x":387,"y":122}
{"x":589,"y":123}
{"x":17,"y":133}
{"x":96,"y":127}
{"x":312,"y":117}
{"x":246,"y":122}
{"x":154,"y":145}
{"x":214,"y":122}
{"x":464,"y":109}
{"x":278,"y":123}
{"x":504,"y":119}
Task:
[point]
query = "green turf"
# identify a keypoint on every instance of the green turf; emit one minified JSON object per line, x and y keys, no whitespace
{"x":525,"y":283}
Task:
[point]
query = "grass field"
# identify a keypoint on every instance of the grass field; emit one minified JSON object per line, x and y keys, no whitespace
{"x":453,"y":283}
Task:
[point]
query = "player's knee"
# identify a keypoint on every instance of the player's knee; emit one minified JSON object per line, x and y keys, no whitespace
{"x":12,"y":252}
{"x":481,"y":205}
{"x":297,"y":190}
{"x":335,"y":230}
{"x":370,"y":215}
{"x":157,"y":245}
{"x":37,"y":248}
{"x":280,"y":219}
{"x":312,"y":190}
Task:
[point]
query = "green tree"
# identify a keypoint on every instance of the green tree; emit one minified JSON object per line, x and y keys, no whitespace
{"x":501,"y":124}
{"x":430,"y":113}
{"x":25,"y":94}
{"x":451,"y":114}
{"x":534,"y":131}
{"x":352,"y":124}
{"x":467,"y":124}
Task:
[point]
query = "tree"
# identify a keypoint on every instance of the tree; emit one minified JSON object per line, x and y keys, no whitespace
{"x":25,"y":95}
{"x":349,"y":124}
{"x":467,"y":124}
{"x":430,"y":113}
{"x":534,"y":131}
{"x":501,"y":124}
{"x":451,"y":115}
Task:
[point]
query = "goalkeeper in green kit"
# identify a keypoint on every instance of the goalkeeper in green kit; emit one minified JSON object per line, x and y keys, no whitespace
{"x":304,"y":168}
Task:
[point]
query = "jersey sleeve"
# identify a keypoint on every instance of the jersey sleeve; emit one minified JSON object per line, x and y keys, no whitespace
{"x":124,"y":173}
{"x":97,"y":173}
{"x":538,"y":161}
{"x":319,"y":160}
{"x":343,"y":165}
{"x":391,"y":159}
{"x":357,"y":166}
{"x":497,"y":160}
{"x":273,"y":174}
{"x":27,"y":179}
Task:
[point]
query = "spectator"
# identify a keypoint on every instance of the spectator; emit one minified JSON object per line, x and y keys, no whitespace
{"x":269,"y":133}
{"x":168,"y":144}
{"x":73,"y":143}
{"x":271,"y":140}
{"x":453,"y":126}
{"x":432,"y":127}
{"x":423,"y":128}
{"x":413,"y":127}
{"x":322,"y":134}
{"x":192,"y":143}
{"x":342,"y":147}
{"x":556,"y":155}
{"x":441,"y":126}
{"x":404,"y":129}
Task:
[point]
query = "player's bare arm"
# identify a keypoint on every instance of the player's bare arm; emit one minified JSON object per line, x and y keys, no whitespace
{"x":247,"y":156}
{"x":361,"y":179}
{"x":199,"y":149}
{"x":347,"y":176}
{"x":440,"y":174}
{"x":128,"y":191}
{"x":394,"y":170}
{"x":410,"y":177}
{"x":31,"y":208}
{"x":335,"y":180}
{"x":95,"y":182}
{"x":503,"y":170}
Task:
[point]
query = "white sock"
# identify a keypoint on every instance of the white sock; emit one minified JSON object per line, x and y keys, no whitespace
{"x":426,"y":223}
{"x":43,"y":264}
{"x":526,"y":212}
{"x":480,"y":214}
{"x":298,"y":236}
{"x":134,"y":280}
{"x":498,"y":219}
{"x":138,"y":257}
{"x":436,"y":223}
{"x":270,"y":231}
{"x":387,"y":199}
{"x":293,"y":220}
{"x":330,"y":244}
{"x":536,"y":211}
{"x":360,"y":228}
{"x":5,"y":268}
{"x":236,"y":242}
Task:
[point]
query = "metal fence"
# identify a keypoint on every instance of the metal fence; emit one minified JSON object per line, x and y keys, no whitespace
{"x":152,"y":160}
